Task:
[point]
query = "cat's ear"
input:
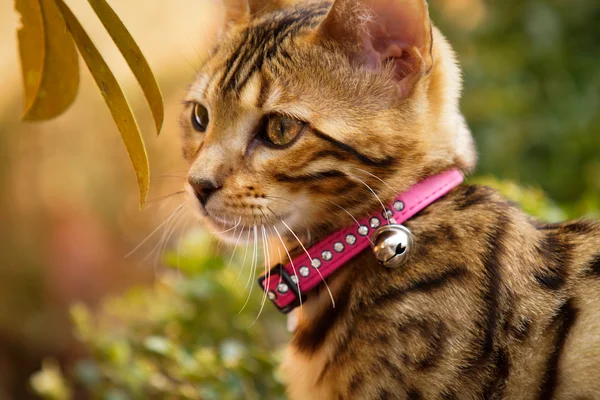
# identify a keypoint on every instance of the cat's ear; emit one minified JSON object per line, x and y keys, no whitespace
{"x":241,"y":11}
{"x":380,"y":32}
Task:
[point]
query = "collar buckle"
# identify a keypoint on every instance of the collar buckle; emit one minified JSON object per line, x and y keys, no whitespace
{"x":279,"y":272}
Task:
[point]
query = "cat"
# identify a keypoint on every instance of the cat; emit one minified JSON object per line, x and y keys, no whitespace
{"x":298,"y":112}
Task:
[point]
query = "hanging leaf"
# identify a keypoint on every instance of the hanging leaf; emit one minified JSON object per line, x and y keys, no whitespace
{"x":31,"y":36}
{"x":114,"y":97}
{"x":49,"y":62}
{"x":134,"y":57}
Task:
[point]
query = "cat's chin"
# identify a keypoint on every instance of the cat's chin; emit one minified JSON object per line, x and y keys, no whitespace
{"x":233,"y":235}
{"x":242,"y":234}
{"x":236,"y":231}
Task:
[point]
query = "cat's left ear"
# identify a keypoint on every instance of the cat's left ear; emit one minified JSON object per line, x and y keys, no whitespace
{"x":242,"y":11}
{"x":378,"y":32}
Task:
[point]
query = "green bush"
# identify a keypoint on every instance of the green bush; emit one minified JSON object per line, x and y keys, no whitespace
{"x":191,"y":335}
{"x":531,"y":94}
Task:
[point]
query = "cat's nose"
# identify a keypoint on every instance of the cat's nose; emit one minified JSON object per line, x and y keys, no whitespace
{"x":203,"y":188}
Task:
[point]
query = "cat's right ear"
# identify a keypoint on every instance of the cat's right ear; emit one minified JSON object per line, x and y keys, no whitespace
{"x":381,"y":34}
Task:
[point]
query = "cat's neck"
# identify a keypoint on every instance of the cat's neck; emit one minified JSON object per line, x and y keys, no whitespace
{"x":405,"y":206}
{"x":331,"y":297}
{"x":291,"y":244}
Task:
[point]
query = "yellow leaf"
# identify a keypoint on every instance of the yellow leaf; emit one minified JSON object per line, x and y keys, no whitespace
{"x":49,"y":62}
{"x":31,"y":36}
{"x":134,"y":57}
{"x":114,"y":97}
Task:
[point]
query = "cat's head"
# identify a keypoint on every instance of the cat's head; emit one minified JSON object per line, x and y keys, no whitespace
{"x":302,"y":114}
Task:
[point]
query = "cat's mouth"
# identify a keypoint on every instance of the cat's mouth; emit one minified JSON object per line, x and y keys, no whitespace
{"x":244,"y":230}
{"x":246,"y":222}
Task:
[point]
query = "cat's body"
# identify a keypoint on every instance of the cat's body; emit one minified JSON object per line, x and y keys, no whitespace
{"x":491,"y":306}
{"x":295,"y":118}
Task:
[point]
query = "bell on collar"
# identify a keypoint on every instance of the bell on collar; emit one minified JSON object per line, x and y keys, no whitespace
{"x":391,"y":245}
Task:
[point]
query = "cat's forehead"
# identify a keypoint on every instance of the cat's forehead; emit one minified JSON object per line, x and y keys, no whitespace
{"x":250,"y":58}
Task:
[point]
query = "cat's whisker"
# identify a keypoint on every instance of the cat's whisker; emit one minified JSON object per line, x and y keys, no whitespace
{"x":268,"y":266}
{"x":376,"y":177}
{"x":267,"y":262}
{"x":254,"y":256}
{"x":162,"y":242}
{"x":253,"y":268}
{"x":228,"y":230}
{"x":344,"y":210}
{"x":235,"y":247}
{"x":280,"y":278}
{"x":385,"y":213}
{"x":350,"y":214}
{"x":236,"y":226}
{"x":179,"y":241}
{"x":156,"y":248}
{"x":310,"y":261}
{"x":166,"y":221}
{"x":289,"y":258}
{"x":160,"y":256}
{"x":163,"y":198}
{"x":245,"y":255}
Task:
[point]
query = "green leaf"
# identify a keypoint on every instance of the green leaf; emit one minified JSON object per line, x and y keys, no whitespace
{"x":114,"y":97}
{"x":158,"y":344}
{"x":134,"y":57}
{"x":50,"y":382}
{"x":49,"y":62}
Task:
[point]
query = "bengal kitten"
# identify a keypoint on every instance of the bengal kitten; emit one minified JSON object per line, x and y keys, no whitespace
{"x":295,"y":112}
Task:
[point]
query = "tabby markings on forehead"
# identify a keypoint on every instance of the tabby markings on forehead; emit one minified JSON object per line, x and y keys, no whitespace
{"x":261,"y":43}
{"x":251,"y":92}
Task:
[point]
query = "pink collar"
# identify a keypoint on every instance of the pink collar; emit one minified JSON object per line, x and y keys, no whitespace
{"x":287,"y":285}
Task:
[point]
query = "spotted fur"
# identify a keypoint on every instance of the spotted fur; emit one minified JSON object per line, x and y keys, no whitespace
{"x":490,"y":305}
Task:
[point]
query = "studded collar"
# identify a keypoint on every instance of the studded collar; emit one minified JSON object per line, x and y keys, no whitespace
{"x":287,"y":285}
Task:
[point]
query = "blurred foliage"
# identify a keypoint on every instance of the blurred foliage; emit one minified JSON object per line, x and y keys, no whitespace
{"x":532,"y":91}
{"x":196,"y":337}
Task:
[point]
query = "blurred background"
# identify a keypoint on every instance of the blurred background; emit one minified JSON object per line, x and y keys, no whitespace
{"x":88,"y":321}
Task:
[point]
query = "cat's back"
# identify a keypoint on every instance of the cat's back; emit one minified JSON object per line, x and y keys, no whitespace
{"x":575,"y":356}
{"x":492,"y":304}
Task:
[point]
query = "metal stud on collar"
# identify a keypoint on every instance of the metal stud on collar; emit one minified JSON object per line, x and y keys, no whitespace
{"x":398,"y":205}
{"x":374,"y":222}
{"x":282,"y":288}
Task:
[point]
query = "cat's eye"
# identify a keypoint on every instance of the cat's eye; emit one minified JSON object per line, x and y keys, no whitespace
{"x":281,"y":131}
{"x":200,"y":117}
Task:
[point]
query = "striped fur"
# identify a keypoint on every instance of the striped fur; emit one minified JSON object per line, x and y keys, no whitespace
{"x":491,"y":304}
